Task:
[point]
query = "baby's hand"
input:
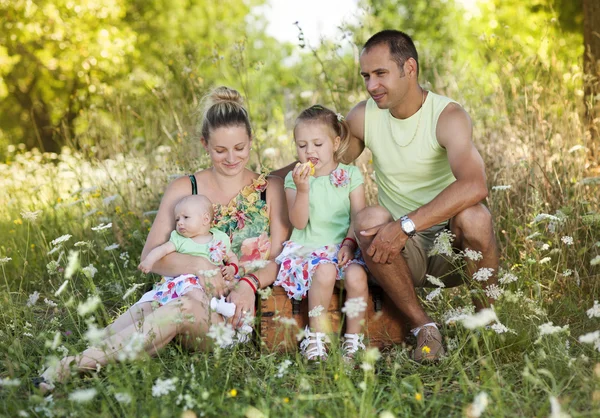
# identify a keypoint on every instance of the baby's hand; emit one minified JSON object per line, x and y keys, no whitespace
{"x":145,"y":266}
{"x":345,"y":254}
{"x":228,"y":272}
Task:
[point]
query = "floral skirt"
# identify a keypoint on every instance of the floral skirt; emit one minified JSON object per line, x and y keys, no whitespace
{"x":171,"y":288}
{"x":299,"y":263}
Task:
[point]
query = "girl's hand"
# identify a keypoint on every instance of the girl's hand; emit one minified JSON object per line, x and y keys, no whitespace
{"x":300,"y":175}
{"x":244,"y":298}
{"x":228,"y":272}
{"x":345,"y":254}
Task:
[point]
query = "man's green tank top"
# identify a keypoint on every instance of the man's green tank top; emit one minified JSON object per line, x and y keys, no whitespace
{"x":409,"y":172}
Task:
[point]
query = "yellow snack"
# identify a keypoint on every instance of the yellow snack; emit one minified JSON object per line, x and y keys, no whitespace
{"x":306,"y":165}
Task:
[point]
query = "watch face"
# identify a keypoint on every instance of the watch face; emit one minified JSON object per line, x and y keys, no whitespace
{"x":408,"y":226}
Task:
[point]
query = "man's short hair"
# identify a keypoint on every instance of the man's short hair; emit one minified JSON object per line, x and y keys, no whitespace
{"x":400,"y":44}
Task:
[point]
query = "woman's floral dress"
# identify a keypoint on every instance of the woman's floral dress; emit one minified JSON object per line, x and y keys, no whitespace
{"x":246,"y":221}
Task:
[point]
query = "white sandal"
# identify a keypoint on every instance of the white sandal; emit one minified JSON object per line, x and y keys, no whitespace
{"x":352,"y":344}
{"x":313,"y":345}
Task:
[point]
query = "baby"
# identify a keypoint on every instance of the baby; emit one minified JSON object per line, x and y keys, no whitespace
{"x":194,"y":236}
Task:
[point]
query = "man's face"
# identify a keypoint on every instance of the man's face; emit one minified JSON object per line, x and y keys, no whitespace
{"x":384,"y":81}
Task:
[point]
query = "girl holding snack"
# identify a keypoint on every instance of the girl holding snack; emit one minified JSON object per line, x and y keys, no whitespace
{"x":323,"y":196}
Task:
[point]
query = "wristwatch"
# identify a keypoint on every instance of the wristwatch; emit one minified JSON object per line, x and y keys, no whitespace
{"x":408,"y":226}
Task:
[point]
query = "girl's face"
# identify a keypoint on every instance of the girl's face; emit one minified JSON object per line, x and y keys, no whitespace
{"x":229,"y":149}
{"x":316,"y":142}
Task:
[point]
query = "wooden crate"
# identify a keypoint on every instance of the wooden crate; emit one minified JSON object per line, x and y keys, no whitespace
{"x":384,"y":324}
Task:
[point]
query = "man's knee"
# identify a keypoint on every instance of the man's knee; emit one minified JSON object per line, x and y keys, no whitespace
{"x":474,"y":222}
{"x":370,"y":217}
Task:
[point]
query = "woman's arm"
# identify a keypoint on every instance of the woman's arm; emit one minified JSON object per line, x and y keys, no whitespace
{"x":278,"y":217}
{"x":173,"y":264}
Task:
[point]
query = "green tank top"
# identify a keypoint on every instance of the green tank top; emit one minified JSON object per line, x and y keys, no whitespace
{"x":409,"y":172}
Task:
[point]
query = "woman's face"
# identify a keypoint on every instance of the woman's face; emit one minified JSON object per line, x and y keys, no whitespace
{"x":229,"y":149}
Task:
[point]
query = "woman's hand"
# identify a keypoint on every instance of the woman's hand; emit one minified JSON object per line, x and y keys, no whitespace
{"x":244,"y":298}
{"x":345,"y":254}
{"x":216,"y":285}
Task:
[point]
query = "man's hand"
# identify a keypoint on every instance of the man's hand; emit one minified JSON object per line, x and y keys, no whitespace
{"x":388,"y":242}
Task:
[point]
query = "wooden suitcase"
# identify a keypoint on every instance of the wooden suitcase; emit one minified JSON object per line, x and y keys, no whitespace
{"x":384,"y":324}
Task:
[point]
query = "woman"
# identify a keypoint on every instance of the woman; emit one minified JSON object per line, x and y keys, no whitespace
{"x":249,"y":207}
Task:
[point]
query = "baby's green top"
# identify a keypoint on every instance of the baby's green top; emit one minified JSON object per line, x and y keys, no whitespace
{"x":329,"y":206}
{"x":214,"y":250}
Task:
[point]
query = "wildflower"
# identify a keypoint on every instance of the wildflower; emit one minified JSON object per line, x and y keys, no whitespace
{"x":500,"y":328}
{"x":30,"y":216}
{"x":507,"y":278}
{"x":567,"y":273}
{"x":316,"y":311}
{"x":354,"y":306}
{"x":567,"y":240}
{"x":372,"y":355}
{"x":555,"y":410}
{"x":594,"y":311}
{"x":545,"y":260}
{"x":483,"y":274}
{"x":102,"y":227}
{"x":478,"y":406}
{"x":4,"y":260}
{"x":109,"y":199}
{"x":222,"y":334}
{"x":163,"y":387}
{"x":544,"y":216}
{"x":87,"y":244}
{"x":53,"y":250}
{"x":493,"y":291}
{"x":265,"y":293}
{"x":111,"y":247}
{"x":500,"y":188}
{"x":61,"y":288}
{"x":60,"y":240}
{"x":480,"y":319}
{"x":426,"y":349}
{"x":434,"y":294}
{"x":18,"y":222}
{"x":33,"y":298}
{"x":72,"y":264}
{"x":591,"y":338}
{"x":418,"y":396}
{"x":549,"y":329}
{"x":50,"y":303}
{"x":7,"y":382}
{"x":595,"y":260}
{"x":457,"y":314}
{"x":89,"y":271}
{"x":123,"y":397}
{"x":135,"y":345}
{"x":131,"y":290}
{"x":283,"y":368}
{"x":473,"y":255}
{"x":89,"y":306}
{"x":443,"y":244}
{"x":435,"y":281}
{"x":286,"y":321}
{"x":82,"y":395}
{"x":366,"y":367}
{"x":233,"y":393}
{"x":532,"y":236}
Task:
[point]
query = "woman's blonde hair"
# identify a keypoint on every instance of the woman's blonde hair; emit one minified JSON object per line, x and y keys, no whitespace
{"x":335,"y":121}
{"x":223,"y":107}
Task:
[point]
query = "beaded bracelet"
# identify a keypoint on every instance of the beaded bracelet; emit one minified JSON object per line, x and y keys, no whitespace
{"x":245,"y":279}
{"x":237,"y":269}
{"x":254,"y":279}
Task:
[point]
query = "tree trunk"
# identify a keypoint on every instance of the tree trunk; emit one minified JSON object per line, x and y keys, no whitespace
{"x":591,"y":65}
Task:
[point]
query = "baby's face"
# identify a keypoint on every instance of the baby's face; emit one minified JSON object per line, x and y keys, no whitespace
{"x":191,"y":219}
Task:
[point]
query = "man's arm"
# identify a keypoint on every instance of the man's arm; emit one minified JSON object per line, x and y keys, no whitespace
{"x":454,"y":132}
{"x":356,"y":122}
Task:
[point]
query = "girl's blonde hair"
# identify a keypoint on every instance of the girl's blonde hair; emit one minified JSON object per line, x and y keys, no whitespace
{"x":223,"y":107}
{"x":335,"y":121}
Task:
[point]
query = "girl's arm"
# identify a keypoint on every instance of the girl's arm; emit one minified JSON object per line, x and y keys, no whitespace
{"x":278,"y":218}
{"x":155,"y":255}
{"x":357,"y":203}
{"x":173,"y":264}
{"x":297,"y":200}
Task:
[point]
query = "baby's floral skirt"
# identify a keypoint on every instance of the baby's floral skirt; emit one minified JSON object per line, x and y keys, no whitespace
{"x":171,"y":288}
{"x":299,"y":263}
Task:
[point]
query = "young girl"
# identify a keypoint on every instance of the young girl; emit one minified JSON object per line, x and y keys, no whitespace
{"x":322,"y":249}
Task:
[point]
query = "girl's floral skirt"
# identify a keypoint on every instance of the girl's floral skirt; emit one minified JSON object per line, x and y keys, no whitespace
{"x":299,"y":263}
{"x":171,"y":288}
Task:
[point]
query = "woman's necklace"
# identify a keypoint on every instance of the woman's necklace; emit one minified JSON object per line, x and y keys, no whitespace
{"x":418,"y":120}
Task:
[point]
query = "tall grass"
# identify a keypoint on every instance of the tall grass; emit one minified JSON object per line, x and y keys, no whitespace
{"x":535,"y":147}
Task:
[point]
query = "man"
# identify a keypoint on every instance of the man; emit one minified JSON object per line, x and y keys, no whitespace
{"x":430,"y":177}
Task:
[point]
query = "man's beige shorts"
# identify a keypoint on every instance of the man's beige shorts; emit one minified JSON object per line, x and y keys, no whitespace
{"x":420,"y":264}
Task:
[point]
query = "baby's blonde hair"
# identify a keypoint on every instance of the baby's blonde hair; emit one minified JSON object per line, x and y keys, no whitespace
{"x":198,"y":199}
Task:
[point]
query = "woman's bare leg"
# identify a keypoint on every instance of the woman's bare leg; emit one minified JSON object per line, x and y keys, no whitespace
{"x":134,"y":315}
